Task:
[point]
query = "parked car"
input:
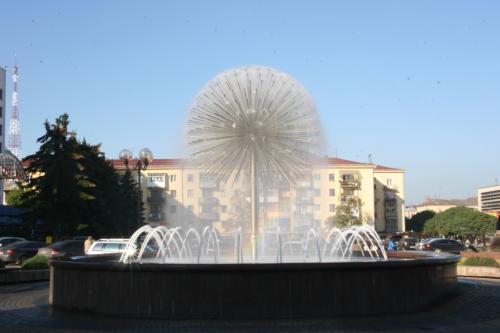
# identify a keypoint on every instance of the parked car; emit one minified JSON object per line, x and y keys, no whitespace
{"x":408,"y":243}
{"x":420,"y":245}
{"x":443,"y":245}
{"x":18,"y":252}
{"x":4,"y":241}
{"x":108,"y":246}
{"x":63,"y":249}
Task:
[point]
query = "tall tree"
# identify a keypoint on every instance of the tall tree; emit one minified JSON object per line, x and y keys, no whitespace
{"x":417,"y":222}
{"x":58,"y":187}
{"x":72,"y":187}
{"x":461,"y":221}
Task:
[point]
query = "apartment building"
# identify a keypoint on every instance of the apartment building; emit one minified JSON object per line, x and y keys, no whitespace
{"x":2,"y":107}
{"x":488,"y":199}
{"x":175,"y":193}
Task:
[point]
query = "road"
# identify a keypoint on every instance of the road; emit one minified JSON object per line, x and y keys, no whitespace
{"x":473,"y":307}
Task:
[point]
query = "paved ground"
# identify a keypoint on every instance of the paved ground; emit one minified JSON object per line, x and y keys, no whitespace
{"x":474,"y":307}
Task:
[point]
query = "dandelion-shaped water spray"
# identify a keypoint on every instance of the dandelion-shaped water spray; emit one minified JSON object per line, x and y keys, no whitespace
{"x":256,"y":122}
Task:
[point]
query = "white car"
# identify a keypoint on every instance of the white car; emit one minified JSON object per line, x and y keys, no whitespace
{"x":108,"y":246}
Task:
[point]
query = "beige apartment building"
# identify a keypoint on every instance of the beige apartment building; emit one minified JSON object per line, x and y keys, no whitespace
{"x":488,"y":199}
{"x":175,"y":193}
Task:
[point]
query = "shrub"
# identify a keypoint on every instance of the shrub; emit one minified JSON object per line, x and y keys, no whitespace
{"x":495,"y":245}
{"x":36,"y":262}
{"x":480,"y":261}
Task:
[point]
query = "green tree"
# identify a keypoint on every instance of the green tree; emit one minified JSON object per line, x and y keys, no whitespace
{"x":73,"y":189}
{"x":461,"y":221}
{"x":417,"y":222}
{"x":348,"y":214}
{"x":13,"y":197}
{"x":57,"y":187}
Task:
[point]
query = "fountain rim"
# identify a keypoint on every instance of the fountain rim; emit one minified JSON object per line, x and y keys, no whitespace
{"x":396,"y":260}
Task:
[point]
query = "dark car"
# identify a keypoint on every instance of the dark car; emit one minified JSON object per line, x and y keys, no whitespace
{"x":4,"y":241}
{"x":409,"y":243}
{"x":20,"y":251}
{"x":442,"y":245}
{"x":63,"y":249}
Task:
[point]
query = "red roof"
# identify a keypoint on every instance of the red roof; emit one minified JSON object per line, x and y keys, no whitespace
{"x":384,"y":168}
{"x":162,"y":162}
{"x":340,"y":161}
{"x":156,"y":162}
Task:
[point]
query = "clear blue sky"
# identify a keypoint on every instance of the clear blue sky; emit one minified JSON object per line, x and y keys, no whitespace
{"x":414,"y":84}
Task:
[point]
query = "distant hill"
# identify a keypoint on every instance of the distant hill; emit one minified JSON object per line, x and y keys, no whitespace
{"x":457,"y":202}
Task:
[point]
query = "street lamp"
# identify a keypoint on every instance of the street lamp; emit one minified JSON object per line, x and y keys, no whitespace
{"x":145,"y":157}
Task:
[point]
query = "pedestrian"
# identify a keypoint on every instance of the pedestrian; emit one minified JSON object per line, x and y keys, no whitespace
{"x":391,"y":246}
{"x":86,"y":245}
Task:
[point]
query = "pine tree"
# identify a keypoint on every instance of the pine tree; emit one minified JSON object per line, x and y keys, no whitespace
{"x":58,"y":187}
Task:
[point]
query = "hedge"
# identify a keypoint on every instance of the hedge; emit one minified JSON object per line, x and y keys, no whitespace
{"x":36,"y":262}
{"x":480,"y":261}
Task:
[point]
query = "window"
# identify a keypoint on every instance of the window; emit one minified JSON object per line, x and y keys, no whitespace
{"x":389,"y":180}
{"x":172,"y":178}
{"x":173,"y":193}
{"x":156,"y":177}
{"x":223,"y":208}
{"x":317,"y":192}
{"x":317,"y":208}
{"x":348,"y":177}
{"x":190,"y":193}
{"x":173,"y":209}
{"x":190,"y":178}
{"x":331,"y":177}
{"x":332,"y":208}
{"x":317,"y":177}
{"x":331,"y":192}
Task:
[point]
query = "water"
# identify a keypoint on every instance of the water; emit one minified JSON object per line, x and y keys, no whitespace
{"x":191,"y":246}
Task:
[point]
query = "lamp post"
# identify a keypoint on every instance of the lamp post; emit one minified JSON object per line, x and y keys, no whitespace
{"x":145,"y":157}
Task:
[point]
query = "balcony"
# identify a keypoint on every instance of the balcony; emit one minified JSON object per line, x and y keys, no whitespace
{"x":156,"y":199}
{"x":350,"y":183}
{"x":208,"y":182}
{"x":155,"y":217}
{"x":304,"y":199}
{"x":303,"y":184}
{"x":212,"y":216}
{"x":209,"y":201}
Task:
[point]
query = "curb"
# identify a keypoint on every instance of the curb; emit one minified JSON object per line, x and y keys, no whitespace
{"x":479,"y":271}
{"x":24,"y":276}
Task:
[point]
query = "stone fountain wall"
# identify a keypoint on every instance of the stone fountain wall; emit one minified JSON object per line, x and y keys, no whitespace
{"x":245,"y":291}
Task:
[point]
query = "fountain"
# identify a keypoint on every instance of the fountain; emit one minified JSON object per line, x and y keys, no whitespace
{"x":259,"y":125}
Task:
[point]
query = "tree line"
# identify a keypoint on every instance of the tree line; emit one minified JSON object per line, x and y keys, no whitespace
{"x":73,"y":190}
{"x":458,"y":221}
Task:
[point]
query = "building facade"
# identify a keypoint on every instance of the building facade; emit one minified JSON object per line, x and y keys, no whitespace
{"x":175,"y":193}
{"x":2,"y":107}
{"x":488,"y":199}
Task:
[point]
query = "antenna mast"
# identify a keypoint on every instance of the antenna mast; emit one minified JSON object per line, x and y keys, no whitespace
{"x":14,"y":128}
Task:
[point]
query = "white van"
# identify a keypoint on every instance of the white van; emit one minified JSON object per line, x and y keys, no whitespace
{"x":108,"y":246}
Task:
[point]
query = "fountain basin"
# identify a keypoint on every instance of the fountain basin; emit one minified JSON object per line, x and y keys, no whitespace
{"x":406,"y":282}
